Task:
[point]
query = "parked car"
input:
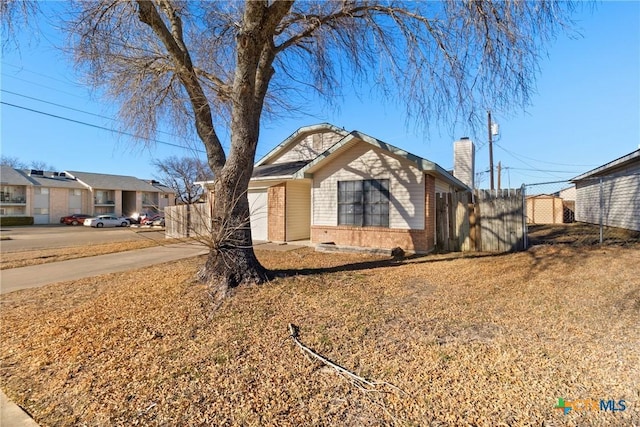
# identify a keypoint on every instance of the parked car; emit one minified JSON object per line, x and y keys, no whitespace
{"x":148,"y":220}
{"x":132,"y":220}
{"x":106,"y":221}
{"x":74,"y":219}
{"x":159,"y":222}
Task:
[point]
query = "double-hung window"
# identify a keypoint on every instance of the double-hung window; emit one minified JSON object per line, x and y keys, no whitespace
{"x":364,"y":203}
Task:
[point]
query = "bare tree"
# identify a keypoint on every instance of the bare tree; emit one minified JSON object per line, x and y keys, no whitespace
{"x":40,"y":165}
{"x":13,"y":162}
{"x":16,"y":163}
{"x":209,"y":65}
{"x":181,"y":174}
{"x":15,"y":14}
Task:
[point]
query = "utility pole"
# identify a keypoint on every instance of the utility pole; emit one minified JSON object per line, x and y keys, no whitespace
{"x":490,"y":147}
{"x":499,"y":174}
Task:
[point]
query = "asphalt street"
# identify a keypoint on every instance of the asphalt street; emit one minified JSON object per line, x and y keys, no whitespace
{"x":58,"y":236}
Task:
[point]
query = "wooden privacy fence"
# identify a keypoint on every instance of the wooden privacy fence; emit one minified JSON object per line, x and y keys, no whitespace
{"x":455,"y":222}
{"x":492,"y":222}
{"x":187,"y":220}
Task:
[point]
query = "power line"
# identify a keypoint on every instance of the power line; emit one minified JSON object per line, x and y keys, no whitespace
{"x":533,"y":168}
{"x":57,"y":105}
{"x":81,"y":111}
{"x":99,"y":127}
{"x":541,"y":161}
{"x":21,"y":68}
{"x":41,"y":85}
{"x":539,"y":170}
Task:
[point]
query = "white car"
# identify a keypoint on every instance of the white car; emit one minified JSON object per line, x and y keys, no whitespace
{"x":106,"y":221}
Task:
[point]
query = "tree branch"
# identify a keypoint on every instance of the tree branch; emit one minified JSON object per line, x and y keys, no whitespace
{"x":202,"y":110}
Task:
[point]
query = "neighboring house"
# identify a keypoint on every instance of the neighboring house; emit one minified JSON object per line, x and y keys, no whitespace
{"x":327,"y":185}
{"x":567,"y":194}
{"x":47,"y":196}
{"x":611,"y":192}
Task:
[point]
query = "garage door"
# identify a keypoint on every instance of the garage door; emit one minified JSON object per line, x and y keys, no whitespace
{"x":258,"y":209}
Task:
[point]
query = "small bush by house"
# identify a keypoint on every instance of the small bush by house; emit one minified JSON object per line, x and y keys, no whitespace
{"x":15,"y":220}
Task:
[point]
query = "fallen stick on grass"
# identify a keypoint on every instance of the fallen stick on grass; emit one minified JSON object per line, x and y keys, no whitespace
{"x":358,"y":381}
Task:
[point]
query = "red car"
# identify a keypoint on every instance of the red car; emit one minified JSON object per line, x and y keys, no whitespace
{"x":74,"y":219}
{"x":148,"y":220}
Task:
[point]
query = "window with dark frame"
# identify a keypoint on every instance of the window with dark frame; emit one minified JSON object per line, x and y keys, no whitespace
{"x":364,"y":203}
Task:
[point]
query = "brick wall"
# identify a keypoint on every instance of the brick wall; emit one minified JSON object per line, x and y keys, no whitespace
{"x":276,"y":212}
{"x":373,"y":237}
{"x":410,"y":240}
{"x":58,"y":204}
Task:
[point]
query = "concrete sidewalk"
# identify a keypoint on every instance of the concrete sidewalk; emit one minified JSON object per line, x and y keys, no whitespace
{"x":43,"y":274}
{"x":11,"y":415}
{"x":35,"y":276}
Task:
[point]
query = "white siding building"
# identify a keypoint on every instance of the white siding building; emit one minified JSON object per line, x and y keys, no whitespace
{"x":611,"y":192}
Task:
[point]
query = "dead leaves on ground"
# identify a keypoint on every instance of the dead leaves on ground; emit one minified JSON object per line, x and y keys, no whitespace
{"x":477,"y":340}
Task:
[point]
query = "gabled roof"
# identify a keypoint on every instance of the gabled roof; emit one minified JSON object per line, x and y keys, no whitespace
{"x":50,"y":180}
{"x":355,"y":137}
{"x":297,"y":135}
{"x":163,"y":188}
{"x":608,"y":168}
{"x":113,"y":182}
{"x":533,"y":196}
{"x":11,"y":176}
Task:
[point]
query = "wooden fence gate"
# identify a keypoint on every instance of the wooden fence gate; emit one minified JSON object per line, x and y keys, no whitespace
{"x":492,"y":222}
{"x":187,"y":221}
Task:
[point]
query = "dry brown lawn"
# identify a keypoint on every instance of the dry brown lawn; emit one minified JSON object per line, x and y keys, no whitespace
{"x":485,"y":340}
{"x":580,"y":233}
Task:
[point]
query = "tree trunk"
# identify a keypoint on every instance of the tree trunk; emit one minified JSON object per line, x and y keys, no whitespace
{"x":231,"y":261}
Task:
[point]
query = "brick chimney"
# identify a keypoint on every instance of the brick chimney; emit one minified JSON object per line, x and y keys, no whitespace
{"x":464,"y":161}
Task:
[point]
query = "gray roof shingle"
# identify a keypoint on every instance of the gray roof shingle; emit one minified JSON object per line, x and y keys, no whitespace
{"x":114,"y":182}
{"x":11,"y":176}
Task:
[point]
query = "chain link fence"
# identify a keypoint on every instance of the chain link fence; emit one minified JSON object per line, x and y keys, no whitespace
{"x":600,"y":210}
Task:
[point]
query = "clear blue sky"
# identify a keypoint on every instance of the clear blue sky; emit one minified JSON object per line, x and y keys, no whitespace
{"x":586,"y":112}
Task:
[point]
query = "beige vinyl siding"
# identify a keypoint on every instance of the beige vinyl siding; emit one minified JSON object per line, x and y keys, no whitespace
{"x":621,"y":200}
{"x":443,"y":187}
{"x":406,"y":186}
{"x":309,"y":147}
{"x":298,"y":210}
